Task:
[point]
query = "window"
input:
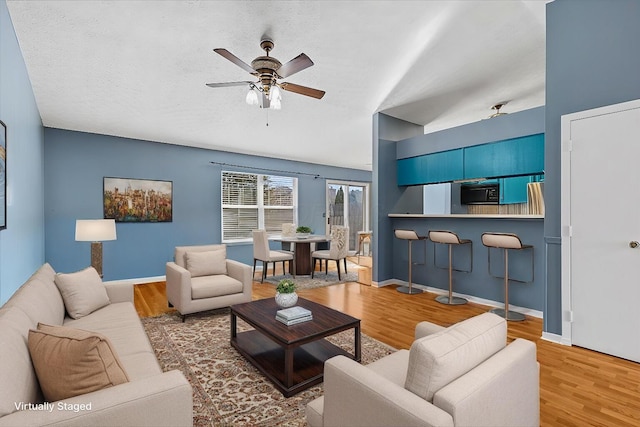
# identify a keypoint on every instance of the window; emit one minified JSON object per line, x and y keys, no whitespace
{"x":251,"y":201}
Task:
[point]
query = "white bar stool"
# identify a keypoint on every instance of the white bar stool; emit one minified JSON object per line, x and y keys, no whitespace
{"x":506,"y":242}
{"x":449,"y":238}
{"x":409,"y":236}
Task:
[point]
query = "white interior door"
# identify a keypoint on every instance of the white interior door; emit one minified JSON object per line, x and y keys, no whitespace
{"x":604,"y":224}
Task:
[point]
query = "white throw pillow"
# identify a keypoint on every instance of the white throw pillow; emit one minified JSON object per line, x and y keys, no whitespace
{"x":438,"y":359}
{"x":207,"y":263}
{"x":82,"y":292}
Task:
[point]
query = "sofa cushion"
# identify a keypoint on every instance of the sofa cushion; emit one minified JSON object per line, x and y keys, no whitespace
{"x":214,"y":286}
{"x":70,"y":362}
{"x":82,"y":292}
{"x":207,"y":263}
{"x":180,"y":253}
{"x":438,"y":359}
{"x":119,"y":322}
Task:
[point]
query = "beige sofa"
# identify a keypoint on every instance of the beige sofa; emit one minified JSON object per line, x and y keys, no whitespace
{"x":202,"y":278}
{"x":149,"y":398}
{"x":464,"y":375}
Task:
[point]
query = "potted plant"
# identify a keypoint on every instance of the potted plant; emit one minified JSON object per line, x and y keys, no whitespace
{"x":286,"y":293}
{"x":303,"y":231}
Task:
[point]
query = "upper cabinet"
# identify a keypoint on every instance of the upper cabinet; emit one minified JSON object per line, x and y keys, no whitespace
{"x":510,"y":157}
{"x":445,"y":166}
{"x":517,"y":156}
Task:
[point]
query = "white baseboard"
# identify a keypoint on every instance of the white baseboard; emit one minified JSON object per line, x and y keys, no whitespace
{"x":524,"y":310}
{"x":555,"y":338}
{"x":140,"y":280}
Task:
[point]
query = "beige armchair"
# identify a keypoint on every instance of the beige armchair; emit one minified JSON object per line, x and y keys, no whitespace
{"x":202,"y":278}
{"x":464,"y":375}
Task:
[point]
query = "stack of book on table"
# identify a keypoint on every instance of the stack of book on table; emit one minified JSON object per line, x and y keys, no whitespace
{"x":292,"y":315}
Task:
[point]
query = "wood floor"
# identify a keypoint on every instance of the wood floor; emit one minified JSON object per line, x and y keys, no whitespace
{"x":578,"y":387}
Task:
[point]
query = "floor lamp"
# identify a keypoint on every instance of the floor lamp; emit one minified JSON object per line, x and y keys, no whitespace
{"x":95,"y":231}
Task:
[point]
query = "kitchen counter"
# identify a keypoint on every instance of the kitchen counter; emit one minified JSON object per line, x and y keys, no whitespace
{"x":467,"y":216}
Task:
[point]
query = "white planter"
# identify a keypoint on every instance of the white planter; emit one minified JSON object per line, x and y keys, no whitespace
{"x":286,"y":300}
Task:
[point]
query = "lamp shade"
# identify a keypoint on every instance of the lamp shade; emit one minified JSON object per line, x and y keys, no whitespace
{"x":95,"y":230}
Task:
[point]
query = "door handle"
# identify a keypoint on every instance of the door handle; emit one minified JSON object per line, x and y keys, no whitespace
{"x":633,"y":244}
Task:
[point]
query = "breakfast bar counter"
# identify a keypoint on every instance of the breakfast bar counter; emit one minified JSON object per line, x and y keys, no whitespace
{"x":467,"y":216}
{"x":429,"y":258}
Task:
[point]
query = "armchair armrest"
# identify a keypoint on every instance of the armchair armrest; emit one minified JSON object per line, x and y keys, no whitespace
{"x":119,"y":291}
{"x":161,"y":400}
{"x":355,"y":395}
{"x":178,"y":286}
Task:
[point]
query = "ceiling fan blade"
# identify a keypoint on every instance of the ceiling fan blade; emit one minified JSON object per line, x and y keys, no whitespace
{"x":298,"y":63}
{"x":227,"y":84}
{"x":239,"y":62}
{"x":302,"y":90}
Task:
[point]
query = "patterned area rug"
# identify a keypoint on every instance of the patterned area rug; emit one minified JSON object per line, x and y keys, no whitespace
{"x":228,"y":390}
{"x":320,"y":279}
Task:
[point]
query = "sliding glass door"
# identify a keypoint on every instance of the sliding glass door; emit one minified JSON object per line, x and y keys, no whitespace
{"x":348,"y":205}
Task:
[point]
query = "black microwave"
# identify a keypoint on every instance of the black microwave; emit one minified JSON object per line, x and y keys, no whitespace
{"x":480,"y":194}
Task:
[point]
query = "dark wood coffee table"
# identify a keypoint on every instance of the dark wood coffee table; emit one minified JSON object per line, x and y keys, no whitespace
{"x":291,"y":357}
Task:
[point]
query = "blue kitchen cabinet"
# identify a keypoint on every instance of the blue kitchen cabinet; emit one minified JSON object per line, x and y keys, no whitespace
{"x":410,"y":171}
{"x":514,"y":190}
{"x":516,"y":156}
{"x":445,"y":166}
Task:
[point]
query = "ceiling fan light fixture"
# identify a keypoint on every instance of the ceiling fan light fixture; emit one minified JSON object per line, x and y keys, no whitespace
{"x":275,"y":104}
{"x":275,"y":93}
{"x":252,"y":97}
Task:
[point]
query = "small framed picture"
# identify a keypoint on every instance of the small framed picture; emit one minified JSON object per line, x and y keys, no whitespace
{"x":137,"y":200}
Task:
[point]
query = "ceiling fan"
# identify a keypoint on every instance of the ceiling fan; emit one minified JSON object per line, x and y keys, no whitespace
{"x":268,"y":70}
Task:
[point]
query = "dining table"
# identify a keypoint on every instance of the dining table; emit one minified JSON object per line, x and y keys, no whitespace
{"x":302,"y":251}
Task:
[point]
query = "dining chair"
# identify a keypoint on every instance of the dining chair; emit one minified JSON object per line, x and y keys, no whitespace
{"x":338,"y":250}
{"x":262,"y":252}
{"x":288,"y":230}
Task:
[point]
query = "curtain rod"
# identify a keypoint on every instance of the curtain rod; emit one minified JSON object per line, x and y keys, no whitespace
{"x":315,"y":176}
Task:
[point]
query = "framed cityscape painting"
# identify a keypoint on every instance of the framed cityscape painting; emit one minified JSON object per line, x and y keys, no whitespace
{"x":3,"y":175}
{"x":138,"y":200}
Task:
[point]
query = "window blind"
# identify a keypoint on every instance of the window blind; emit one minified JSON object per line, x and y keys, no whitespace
{"x":251,"y":201}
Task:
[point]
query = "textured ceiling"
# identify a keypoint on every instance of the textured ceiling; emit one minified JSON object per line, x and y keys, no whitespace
{"x":138,"y":69}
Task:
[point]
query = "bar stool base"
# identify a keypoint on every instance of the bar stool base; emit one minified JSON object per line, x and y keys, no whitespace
{"x":408,"y":290}
{"x":444,"y":299}
{"x":512,"y":315}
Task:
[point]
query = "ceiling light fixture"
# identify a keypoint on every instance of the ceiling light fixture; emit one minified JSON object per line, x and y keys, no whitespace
{"x":252,"y":96}
{"x":497,"y":107}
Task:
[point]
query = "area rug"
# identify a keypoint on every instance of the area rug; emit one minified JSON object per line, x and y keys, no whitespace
{"x":320,"y":279}
{"x":228,"y":390}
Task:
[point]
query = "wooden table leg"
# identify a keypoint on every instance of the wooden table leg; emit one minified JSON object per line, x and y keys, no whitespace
{"x":288,"y":367}
{"x":358,"y":343}
{"x":234,"y":323}
{"x":303,"y":258}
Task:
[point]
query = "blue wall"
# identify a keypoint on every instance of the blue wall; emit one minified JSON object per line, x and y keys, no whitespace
{"x":22,"y":243}
{"x":593,"y":60}
{"x":522,"y":123}
{"x":77,"y":162}
{"x":385,"y":193}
